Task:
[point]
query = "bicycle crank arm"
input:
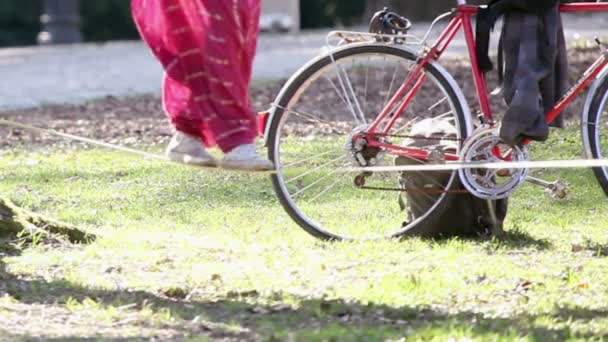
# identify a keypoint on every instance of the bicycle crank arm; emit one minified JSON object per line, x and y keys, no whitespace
{"x":556,"y":189}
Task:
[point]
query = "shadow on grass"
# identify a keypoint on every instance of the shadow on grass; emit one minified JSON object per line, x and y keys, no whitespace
{"x":236,"y":316}
{"x":518,"y":238}
{"x":598,"y":249}
{"x":510,"y":239}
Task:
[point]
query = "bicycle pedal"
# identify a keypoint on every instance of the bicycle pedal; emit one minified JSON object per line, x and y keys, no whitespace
{"x":556,"y":189}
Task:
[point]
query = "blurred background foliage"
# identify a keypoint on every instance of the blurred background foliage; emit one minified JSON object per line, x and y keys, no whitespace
{"x":104,"y":20}
{"x":107,"y":20}
{"x":19,"y":22}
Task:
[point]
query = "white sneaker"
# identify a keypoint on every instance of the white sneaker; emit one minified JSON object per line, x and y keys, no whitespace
{"x":246,"y":158}
{"x":187,"y":149}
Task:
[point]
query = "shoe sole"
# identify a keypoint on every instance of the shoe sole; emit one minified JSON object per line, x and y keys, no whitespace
{"x":237,"y":167}
{"x":189,"y":160}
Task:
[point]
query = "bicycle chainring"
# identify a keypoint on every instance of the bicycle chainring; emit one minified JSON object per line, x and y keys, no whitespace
{"x":486,"y":146}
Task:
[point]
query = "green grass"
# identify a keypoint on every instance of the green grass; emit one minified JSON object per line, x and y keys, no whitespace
{"x":190,"y":254}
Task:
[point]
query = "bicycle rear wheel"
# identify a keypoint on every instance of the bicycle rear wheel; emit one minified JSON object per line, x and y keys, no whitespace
{"x":310,"y":134}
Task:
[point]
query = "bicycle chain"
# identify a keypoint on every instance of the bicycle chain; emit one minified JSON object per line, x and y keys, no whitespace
{"x":416,"y":137}
{"x":434,"y":192}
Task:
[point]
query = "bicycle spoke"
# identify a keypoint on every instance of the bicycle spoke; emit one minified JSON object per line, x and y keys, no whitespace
{"x":390,"y":88}
{"x":334,"y":87}
{"x":406,"y":125}
{"x":437,"y":104}
{"x":446,"y":114}
{"x":410,"y":123}
{"x":388,"y":95}
{"x":366,"y":84}
{"x":345,"y":97}
{"x":307,"y":159}
{"x":333,"y":185}
{"x":346,"y":86}
{"x":310,"y":117}
{"x":300,"y":176}
{"x":318,"y":181}
{"x":355,"y":99}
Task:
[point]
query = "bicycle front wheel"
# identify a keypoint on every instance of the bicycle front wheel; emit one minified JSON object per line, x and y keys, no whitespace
{"x":595,"y":130}
{"x":310,"y":134}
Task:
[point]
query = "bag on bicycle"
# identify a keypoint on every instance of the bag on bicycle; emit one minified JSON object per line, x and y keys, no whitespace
{"x":533,"y":60}
{"x":460,"y":213}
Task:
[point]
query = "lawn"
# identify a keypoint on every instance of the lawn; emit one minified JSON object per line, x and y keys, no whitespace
{"x":189,"y":254}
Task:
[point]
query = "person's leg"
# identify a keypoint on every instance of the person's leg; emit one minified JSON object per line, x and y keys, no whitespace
{"x":207,"y":49}
{"x":227,"y":40}
{"x":230,"y":44}
{"x":156,"y":25}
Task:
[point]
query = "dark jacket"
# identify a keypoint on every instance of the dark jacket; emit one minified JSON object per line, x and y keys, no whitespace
{"x":535,"y":63}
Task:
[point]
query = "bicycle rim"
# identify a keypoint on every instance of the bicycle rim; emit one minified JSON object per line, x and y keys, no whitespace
{"x":598,"y":132}
{"x":321,"y":109}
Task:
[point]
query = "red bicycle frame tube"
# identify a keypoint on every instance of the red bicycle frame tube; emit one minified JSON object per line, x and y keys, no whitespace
{"x":588,"y":76}
{"x":462,"y":19}
{"x":585,"y":7}
{"x":415,"y":77}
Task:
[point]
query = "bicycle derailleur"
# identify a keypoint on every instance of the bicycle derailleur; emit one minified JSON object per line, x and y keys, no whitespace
{"x":361,"y":154}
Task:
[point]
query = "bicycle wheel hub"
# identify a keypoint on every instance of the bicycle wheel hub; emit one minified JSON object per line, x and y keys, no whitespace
{"x":486,"y":146}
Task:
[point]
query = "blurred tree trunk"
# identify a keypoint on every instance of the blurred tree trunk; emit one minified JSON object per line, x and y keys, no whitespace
{"x":15,"y":221}
{"x":61,"y":22}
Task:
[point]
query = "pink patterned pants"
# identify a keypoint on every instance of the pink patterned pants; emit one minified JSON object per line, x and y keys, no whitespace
{"x":206,"y":48}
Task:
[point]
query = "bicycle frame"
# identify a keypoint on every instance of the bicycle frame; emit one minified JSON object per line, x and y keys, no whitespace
{"x":463,"y":20}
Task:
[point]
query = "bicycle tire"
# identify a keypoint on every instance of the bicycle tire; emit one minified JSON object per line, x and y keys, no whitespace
{"x":591,"y":126}
{"x":292,"y":87}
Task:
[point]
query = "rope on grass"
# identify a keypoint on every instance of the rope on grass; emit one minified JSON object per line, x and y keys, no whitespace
{"x":114,"y":147}
{"x":449,"y":166}
{"x":84,"y":140}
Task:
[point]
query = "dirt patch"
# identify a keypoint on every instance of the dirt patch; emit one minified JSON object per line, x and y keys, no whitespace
{"x":129,"y":120}
{"x":141,"y":120}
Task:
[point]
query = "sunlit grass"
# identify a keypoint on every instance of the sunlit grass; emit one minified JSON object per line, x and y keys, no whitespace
{"x":184,"y":253}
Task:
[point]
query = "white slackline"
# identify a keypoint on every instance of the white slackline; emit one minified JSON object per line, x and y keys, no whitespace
{"x":143,"y":154}
{"x":548,"y":164}
{"x":84,"y":140}
{"x":449,"y":166}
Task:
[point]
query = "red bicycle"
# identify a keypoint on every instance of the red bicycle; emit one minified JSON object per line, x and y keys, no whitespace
{"x":356,"y":106}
